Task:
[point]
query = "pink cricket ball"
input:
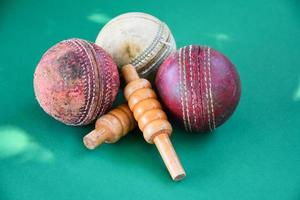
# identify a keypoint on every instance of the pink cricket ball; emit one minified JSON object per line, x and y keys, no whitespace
{"x":76,"y":81}
{"x":199,"y":86}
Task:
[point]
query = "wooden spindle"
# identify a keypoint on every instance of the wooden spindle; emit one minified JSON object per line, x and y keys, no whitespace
{"x":152,"y":121}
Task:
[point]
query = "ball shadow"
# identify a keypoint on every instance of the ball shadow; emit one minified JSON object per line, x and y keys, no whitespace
{"x":295,"y":6}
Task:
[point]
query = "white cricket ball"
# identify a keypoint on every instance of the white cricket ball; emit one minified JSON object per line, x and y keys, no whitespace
{"x":139,"y":39}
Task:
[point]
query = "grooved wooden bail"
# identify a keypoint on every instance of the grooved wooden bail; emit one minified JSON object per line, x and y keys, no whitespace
{"x":110,"y":127}
{"x":151,"y":119}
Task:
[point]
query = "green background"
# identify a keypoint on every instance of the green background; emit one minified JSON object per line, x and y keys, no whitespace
{"x":255,"y":155}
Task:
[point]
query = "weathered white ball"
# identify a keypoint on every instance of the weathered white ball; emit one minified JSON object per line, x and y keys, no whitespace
{"x":139,"y":39}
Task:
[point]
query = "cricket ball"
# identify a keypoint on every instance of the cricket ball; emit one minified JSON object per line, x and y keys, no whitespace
{"x":139,"y":39}
{"x":199,"y":86}
{"x":76,"y":81}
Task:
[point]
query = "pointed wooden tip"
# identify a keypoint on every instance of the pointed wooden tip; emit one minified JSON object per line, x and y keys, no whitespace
{"x":94,"y":139}
{"x":169,"y":156}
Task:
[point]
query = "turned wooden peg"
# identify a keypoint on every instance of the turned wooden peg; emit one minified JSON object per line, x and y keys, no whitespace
{"x":110,"y":127}
{"x":151,"y":119}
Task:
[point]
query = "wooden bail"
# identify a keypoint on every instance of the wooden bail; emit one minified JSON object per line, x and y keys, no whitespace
{"x":110,"y":127}
{"x":151,"y":119}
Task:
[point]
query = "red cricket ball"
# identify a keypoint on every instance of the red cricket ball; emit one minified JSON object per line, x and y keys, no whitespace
{"x":199,"y":86}
{"x":75,"y":81}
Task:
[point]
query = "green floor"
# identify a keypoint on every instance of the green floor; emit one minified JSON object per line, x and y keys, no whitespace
{"x":255,"y":155}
